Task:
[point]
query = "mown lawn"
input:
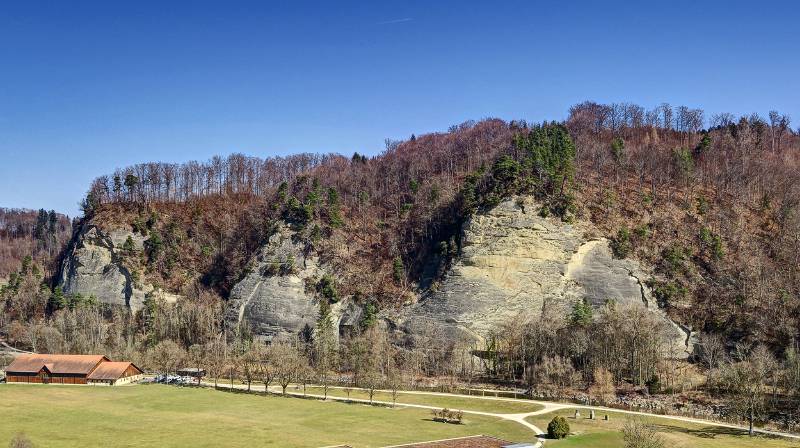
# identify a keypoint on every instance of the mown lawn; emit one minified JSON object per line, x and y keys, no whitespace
{"x":168,"y":416}
{"x":444,"y":401}
{"x":607,"y":434}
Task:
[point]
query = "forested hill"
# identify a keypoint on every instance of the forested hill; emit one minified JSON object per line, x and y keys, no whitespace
{"x":39,"y":235}
{"x":710,"y":204}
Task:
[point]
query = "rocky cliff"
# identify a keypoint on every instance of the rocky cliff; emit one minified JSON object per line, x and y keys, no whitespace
{"x":93,"y":266}
{"x":514,"y":262}
{"x":275,"y":298}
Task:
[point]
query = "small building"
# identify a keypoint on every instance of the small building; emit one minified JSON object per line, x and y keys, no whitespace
{"x":115,"y":373}
{"x":70,"y":369}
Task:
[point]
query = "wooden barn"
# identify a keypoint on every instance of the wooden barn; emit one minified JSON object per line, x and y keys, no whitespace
{"x":71,"y":369}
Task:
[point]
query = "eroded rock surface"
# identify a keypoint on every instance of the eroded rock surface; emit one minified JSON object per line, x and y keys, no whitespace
{"x":272,"y":299}
{"x":93,"y":267}
{"x":514,"y":262}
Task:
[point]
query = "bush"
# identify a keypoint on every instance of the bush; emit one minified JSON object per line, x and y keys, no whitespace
{"x":621,"y":245}
{"x":558,"y":428}
{"x":712,"y":243}
{"x":398,"y":270}
{"x":447,"y":416}
{"x":20,"y":441}
{"x":639,"y":434}
{"x":327,"y":288}
{"x":653,"y":385}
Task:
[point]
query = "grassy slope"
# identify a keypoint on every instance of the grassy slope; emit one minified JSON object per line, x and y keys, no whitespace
{"x":456,"y":403}
{"x":164,"y":416}
{"x":606,"y":434}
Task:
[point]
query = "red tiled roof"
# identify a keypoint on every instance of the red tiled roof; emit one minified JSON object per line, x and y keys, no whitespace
{"x":74,"y":364}
{"x":111,"y":370}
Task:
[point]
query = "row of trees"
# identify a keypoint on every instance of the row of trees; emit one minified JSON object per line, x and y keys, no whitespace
{"x":166,"y":182}
{"x":624,"y":119}
{"x":576,"y":350}
{"x":619,"y":344}
{"x":759,"y":385}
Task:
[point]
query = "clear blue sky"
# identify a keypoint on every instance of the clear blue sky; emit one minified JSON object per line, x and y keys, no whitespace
{"x":85,"y":89}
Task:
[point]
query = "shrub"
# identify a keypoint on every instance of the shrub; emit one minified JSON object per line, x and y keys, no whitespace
{"x":20,"y":441}
{"x":558,"y":428}
{"x":447,"y":416}
{"x":702,"y":205}
{"x":621,"y":244}
{"x":712,"y":243}
{"x":618,"y":150}
{"x":153,"y":246}
{"x":128,"y":246}
{"x":398,"y":270}
{"x":674,"y":257}
{"x":327,"y":288}
{"x":667,"y":293}
{"x":639,"y":434}
{"x":653,"y":385}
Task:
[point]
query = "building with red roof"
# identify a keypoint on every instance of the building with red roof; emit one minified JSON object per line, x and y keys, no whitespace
{"x":71,"y":369}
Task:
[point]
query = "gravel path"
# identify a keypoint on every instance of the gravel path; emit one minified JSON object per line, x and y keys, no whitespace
{"x":521,"y":418}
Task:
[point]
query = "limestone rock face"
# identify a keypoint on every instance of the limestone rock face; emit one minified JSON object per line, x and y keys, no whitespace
{"x":271,"y":299}
{"x":514,"y":262}
{"x":93,"y":267}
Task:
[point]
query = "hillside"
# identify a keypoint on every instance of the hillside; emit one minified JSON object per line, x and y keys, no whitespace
{"x":40,"y":235}
{"x":607,"y":247}
{"x":711,"y":213}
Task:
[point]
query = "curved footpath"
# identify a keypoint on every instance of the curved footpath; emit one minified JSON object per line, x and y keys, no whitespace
{"x":11,"y":349}
{"x":521,"y":418}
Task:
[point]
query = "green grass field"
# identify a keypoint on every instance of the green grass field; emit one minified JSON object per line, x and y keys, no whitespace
{"x":167,"y":416}
{"x":606,"y":434}
{"x":462,"y":403}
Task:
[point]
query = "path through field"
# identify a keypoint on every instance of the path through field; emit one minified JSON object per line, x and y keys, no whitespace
{"x":521,"y":418}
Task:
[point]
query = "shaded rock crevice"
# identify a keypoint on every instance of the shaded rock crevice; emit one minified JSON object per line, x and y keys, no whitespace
{"x":514,"y":262}
{"x":275,"y":298}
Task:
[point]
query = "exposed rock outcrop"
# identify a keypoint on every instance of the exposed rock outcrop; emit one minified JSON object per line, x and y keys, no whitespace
{"x":272,"y":299}
{"x":514,"y":262}
{"x":93,"y":267}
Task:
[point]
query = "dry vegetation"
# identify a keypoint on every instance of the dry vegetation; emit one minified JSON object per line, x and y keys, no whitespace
{"x":27,"y":233}
{"x":713,"y":211}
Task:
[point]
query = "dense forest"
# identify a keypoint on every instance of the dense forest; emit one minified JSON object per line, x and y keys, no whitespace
{"x":713,"y":209}
{"x":39,"y":235}
{"x":710,"y":203}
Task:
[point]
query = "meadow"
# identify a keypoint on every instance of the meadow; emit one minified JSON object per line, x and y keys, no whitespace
{"x":599,"y":433}
{"x":168,"y":416}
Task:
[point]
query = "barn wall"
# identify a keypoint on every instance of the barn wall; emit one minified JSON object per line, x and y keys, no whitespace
{"x":37,"y":379}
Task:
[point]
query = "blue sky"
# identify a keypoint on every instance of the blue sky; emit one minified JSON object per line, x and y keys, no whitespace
{"x":85,"y":89}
